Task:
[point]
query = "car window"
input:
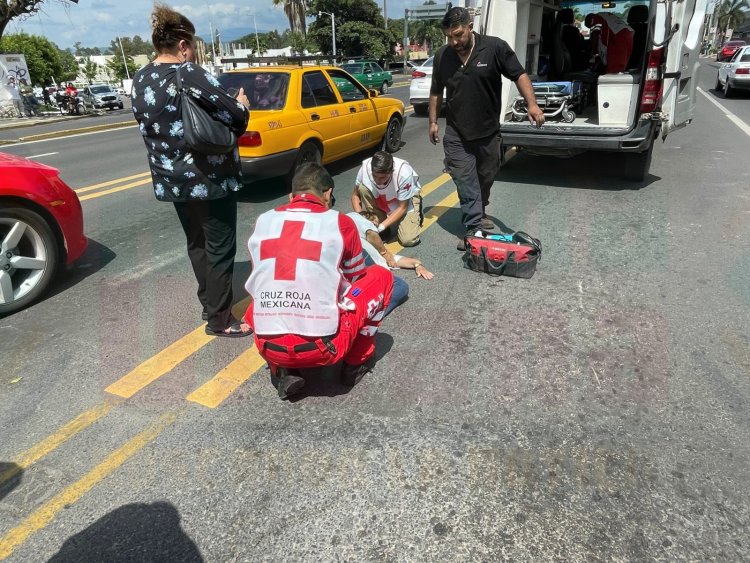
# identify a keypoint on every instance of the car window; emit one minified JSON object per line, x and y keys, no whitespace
{"x":428,"y":62}
{"x":353,"y":68}
{"x":745,"y":58}
{"x":100,"y":89}
{"x":349,"y":88}
{"x":316,"y":91}
{"x":376,"y":67}
{"x":264,"y":90}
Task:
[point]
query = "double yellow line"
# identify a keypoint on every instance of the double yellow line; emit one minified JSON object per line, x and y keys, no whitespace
{"x":211,"y":394}
{"x":137,"y":180}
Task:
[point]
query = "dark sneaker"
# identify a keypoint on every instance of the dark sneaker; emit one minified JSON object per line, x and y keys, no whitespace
{"x":461,"y":241}
{"x":288,"y":382}
{"x":487,"y":224}
{"x":351,"y":375}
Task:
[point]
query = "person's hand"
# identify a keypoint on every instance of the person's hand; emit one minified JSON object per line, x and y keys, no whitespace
{"x":536,"y":115}
{"x":423,"y":272}
{"x":434,"y":133}
{"x":242,"y":98}
{"x":390,"y":260}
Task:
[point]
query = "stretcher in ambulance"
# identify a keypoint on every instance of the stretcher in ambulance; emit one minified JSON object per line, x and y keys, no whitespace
{"x":635,"y":63}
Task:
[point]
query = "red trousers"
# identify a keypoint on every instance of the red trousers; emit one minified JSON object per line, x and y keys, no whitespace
{"x":355,"y":340}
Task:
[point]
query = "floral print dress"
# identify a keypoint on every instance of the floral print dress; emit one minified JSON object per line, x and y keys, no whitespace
{"x":178,"y":173}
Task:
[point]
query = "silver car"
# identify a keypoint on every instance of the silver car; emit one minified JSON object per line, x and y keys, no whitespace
{"x":735,"y":75}
{"x":101,"y":96}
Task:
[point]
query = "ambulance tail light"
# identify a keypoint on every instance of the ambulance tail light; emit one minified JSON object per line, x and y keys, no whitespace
{"x":418,"y":74}
{"x":652,"y":89}
{"x":250,"y":139}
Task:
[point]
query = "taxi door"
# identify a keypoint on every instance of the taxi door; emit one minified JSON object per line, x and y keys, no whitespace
{"x":680,"y":27}
{"x":325,"y":114}
{"x":364,"y":130}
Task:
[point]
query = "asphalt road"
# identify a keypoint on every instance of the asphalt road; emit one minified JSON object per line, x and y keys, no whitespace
{"x":598,"y":411}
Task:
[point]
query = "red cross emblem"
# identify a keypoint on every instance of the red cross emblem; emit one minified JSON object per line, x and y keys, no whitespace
{"x":384,"y":203}
{"x":289,"y":248}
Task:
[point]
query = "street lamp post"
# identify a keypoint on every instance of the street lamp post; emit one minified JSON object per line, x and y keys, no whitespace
{"x":124,"y":60}
{"x":333,"y":25}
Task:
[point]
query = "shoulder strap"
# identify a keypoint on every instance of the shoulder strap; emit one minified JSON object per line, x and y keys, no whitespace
{"x":179,"y":79}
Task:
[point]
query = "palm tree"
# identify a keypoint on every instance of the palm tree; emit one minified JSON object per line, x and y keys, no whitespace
{"x":295,"y":12}
{"x":732,"y":14}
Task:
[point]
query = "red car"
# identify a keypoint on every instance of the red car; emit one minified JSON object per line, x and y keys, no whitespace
{"x":41,"y":228}
{"x":728,"y":50}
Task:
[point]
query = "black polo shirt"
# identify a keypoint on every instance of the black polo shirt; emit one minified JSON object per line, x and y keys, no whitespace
{"x":473,"y":91}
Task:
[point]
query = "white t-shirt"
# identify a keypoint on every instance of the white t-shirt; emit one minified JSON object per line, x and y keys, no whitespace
{"x":364,"y":225}
{"x":403,"y":186}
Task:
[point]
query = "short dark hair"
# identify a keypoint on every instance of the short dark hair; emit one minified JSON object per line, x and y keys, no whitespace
{"x":382,"y":162}
{"x":369,"y":215}
{"x":311,"y":178}
{"x":456,"y":17}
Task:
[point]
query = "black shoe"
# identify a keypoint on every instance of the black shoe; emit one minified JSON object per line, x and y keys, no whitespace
{"x":487,"y":224}
{"x":351,"y":375}
{"x":288,"y":382}
{"x":462,"y":242}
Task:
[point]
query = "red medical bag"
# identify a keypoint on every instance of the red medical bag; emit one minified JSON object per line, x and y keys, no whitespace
{"x":513,"y":255}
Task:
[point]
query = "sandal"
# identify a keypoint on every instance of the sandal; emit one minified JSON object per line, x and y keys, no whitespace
{"x":233,"y":331}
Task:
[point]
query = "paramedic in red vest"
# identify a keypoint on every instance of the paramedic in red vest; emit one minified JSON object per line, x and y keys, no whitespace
{"x":314,"y":302}
{"x":389,"y":187}
{"x":470,"y":68}
{"x":611,"y":39}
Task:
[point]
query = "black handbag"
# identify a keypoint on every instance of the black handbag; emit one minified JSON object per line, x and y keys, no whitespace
{"x":203,"y":133}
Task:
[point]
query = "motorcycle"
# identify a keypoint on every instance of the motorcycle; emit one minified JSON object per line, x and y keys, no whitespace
{"x":72,"y":105}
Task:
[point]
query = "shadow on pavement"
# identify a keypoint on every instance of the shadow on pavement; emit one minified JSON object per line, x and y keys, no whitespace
{"x":94,"y":259}
{"x":587,"y":171}
{"x":133,"y":532}
{"x":10,"y":477}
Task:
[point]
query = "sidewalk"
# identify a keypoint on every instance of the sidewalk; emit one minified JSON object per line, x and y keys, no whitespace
{"x":49,"y":117}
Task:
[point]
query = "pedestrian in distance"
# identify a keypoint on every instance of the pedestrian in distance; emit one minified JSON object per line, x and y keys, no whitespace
{"x":314,"y":301}
{"x":201,"y":187}
{"x":470,"y":68}
{"x":389,"y":187}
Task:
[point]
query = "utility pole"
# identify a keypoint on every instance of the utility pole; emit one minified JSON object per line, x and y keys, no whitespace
{"x":405,"y":48}
{"x":385,"y":12}
{"x":213,"y":46}
{"x":333,"y":24}
{"x":124,"y":60}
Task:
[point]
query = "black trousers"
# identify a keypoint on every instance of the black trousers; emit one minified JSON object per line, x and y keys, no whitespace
{"x":211,"y":232}
{"x":473,"y":166}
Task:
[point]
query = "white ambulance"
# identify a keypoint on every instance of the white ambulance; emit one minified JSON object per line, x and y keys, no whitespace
{"x":624,"y":111}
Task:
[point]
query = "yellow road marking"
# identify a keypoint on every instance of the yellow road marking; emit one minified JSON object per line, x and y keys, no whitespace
{"x":114,"y":190}
{"x":53,"y":441}
{"x":212,"y":393}
{"x":431,"y":215}
{"x":47,"y":512}
{"x":163,"y":362}
{"x":112,"y":182}
{"x":400,"y":85}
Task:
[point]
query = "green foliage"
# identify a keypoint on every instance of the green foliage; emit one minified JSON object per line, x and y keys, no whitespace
{"x":116,"y":67}
{"x":427,"y":31}
{"x":80,"y":51}
{"x":732,"y":14}
{"x":43,"y":58}
{"x":21,"y":9}
{"x":90,"y":69}
{"x":132,"y":47}
{"x":357,"y":38}
{"x":359,"y":28}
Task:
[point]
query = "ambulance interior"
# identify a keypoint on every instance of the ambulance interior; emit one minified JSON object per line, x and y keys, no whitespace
{"x":585,"y":76}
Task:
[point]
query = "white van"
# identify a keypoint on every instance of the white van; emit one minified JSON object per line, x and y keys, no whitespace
{"x":627,"y":110}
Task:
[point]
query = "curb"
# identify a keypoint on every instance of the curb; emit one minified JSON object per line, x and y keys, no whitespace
{"x":24,"y":124}
{"x":66,"y":132}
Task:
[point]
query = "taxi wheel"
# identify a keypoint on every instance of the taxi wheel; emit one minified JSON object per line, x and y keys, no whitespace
{"x":308,"y":152}
{"x":392,"y":139}
{"x":384,"y":88}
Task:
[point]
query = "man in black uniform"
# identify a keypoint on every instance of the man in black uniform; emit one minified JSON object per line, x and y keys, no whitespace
{"x":470,"y":67}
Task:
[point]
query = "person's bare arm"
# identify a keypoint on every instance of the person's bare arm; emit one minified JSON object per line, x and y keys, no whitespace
{"x":374,"y":239}
{"x":416,"y":265}
{"x":356,"y":202}
{"x":395,"y":216}
{"x":436,"y":101}
{"x":536,"y":115}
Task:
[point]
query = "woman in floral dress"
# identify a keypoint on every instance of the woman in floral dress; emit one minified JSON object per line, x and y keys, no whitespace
{"x":201,"y":187}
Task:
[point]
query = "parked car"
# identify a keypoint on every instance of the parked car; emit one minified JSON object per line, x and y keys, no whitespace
{"x":370,"y":74}
{"x":735,"y":75}
{"x":101,"y":96}
{"x":728,"y":50}
{"x":419,"y":89}
{"x":398,"y":67}
{"x":41,"y":229}
{"x":311,"y":113}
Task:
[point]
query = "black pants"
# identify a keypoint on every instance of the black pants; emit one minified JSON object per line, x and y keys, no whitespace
{"x":211,"y":232}
{"x":473,"y":166}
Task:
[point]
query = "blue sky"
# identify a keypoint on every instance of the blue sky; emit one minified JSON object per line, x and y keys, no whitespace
{"x":97,"y":22}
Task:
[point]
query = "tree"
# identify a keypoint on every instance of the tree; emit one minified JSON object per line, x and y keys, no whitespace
{"x":732,"y":14}
{"x":427,"y":32}
{"x":21,"y":9}
{"x":46,"y":62}
{"x":357,"y":38}
{"x":90,"y":69}
{"x":131,"y":47}
{"x":298,"y":42}
{"x":295,"y":13}
{"x":116,"y":66}
{"x":349,"y":12}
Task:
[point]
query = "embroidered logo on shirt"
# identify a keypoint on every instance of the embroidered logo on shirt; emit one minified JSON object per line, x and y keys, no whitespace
{"x":481,"y":64}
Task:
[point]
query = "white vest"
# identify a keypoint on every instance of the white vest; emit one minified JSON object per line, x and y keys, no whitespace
{"x":387,"y":197}
{"x":296,"y":279}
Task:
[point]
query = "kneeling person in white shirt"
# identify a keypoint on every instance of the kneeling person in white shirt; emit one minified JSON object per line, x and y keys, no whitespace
{"x":389,"y":187}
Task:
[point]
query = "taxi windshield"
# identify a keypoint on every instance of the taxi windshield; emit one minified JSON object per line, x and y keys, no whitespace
{"x":353,"y":68}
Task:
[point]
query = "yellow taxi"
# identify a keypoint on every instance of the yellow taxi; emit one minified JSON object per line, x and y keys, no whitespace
{"x":309,"y":114}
